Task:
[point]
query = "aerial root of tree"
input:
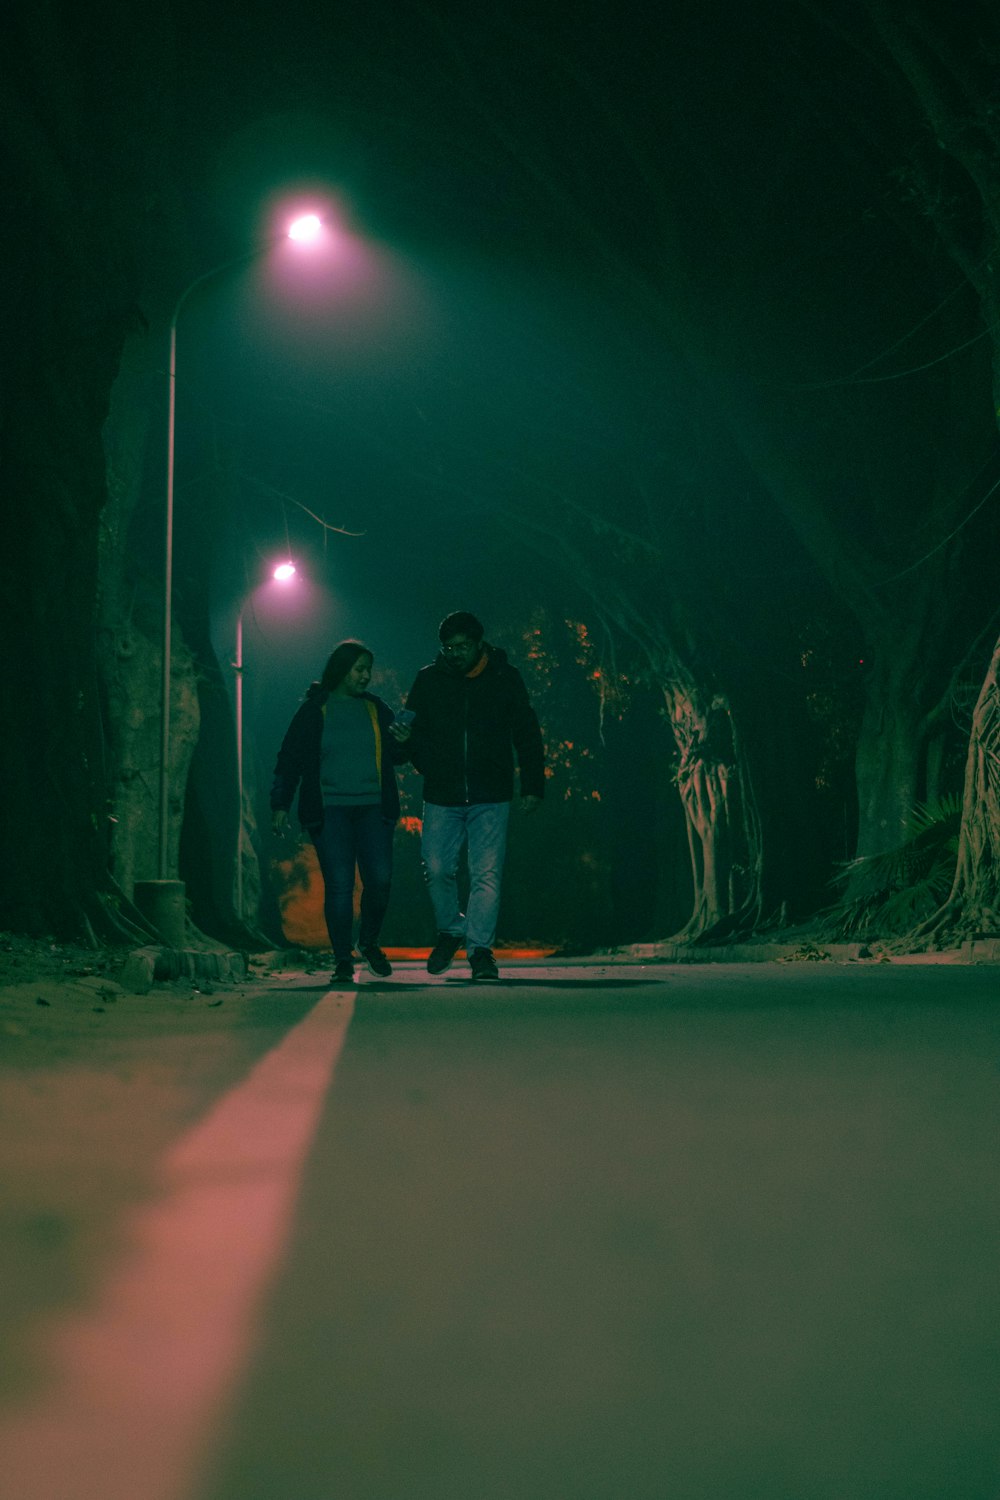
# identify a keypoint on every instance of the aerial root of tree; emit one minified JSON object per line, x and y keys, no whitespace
{"x":724,"y":842}
{"x":973,"y":904}
{"x":111,"y":917}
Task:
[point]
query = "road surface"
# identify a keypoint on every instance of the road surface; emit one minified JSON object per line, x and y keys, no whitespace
{"x":598,"y":1233}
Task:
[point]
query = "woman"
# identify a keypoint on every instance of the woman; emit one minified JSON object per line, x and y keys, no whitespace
{"x":339,"y":748}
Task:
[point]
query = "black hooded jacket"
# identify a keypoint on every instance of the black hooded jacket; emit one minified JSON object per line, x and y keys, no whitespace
{"x":468,"y":730}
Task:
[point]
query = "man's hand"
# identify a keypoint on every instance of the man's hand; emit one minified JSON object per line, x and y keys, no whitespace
{"x":530,"y":803}
{"x":400,"y":733}
{"x":279,"y":820}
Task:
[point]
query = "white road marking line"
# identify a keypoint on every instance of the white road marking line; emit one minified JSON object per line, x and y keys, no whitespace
{"x":141,"y":1377}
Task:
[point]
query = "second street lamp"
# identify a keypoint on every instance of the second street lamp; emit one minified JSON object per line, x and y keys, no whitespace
{"x":283,"y":573}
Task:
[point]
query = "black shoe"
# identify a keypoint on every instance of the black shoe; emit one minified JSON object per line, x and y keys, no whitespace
{"x":483,"y":965}
{"x":343,"y":972}
{"x":376,"y":960}
{"x":444,"y":951}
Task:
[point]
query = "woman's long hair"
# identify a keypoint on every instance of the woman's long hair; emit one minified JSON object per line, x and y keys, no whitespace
{"x":341,"y":661}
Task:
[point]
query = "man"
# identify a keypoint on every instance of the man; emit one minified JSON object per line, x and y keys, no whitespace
{"x":471,"y":718}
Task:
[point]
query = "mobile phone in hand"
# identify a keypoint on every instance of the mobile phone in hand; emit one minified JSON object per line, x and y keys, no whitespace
{"x":404,"y":718}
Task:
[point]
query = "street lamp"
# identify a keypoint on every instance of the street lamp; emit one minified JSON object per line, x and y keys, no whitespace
{"x":306,"y":229}
{"x":283,"y":573}
{"x":303,"y":230}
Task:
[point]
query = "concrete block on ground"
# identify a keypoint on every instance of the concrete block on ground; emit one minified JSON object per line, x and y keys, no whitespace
{"x":146,"y":966}
{"x":139,"y":971}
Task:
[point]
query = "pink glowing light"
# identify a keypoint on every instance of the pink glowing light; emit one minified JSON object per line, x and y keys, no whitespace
{"x":306,"y":229}
{"x":284,"y":572}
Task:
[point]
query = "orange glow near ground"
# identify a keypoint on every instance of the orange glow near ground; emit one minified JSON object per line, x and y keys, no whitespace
{"x":420,"y":954}
{"x":300,"y":901}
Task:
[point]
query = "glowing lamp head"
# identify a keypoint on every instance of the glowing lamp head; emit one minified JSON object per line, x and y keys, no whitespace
{"x":305,"y":229}
{"x":284,"y":571}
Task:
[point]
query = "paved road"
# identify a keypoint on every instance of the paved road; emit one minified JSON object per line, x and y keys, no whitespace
{"x":686,"y":1233}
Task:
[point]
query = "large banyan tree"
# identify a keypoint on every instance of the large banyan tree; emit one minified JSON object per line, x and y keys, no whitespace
{"x":943,"y":62}
{"x":780,"y":259}
{"x":83,"y":135}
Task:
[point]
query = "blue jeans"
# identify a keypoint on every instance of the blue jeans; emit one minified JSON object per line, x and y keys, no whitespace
{"x":352,"y":836}
{"x":483,"y":828}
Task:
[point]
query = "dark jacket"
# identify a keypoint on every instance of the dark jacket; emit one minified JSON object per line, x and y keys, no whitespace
{"x":467,"y":731}
{"x":301,"y":749}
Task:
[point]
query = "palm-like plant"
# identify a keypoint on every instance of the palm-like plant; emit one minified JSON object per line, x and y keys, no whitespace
{"x":886,"y":895}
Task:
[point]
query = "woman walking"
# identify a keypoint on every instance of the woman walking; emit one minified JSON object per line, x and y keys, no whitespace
{"x":339,"y":752}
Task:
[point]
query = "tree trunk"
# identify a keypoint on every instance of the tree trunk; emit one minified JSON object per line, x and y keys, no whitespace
{"x":53,"y":797}
{"x":724,"y":835}
{"x":889,"y":764}
{"x":131,"y":623}
{"x":973,"y":905}
{"x":88,"y":195}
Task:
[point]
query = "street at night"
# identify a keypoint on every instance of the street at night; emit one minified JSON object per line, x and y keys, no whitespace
{"x":719,"y":1232}
{"x":500,"y":750}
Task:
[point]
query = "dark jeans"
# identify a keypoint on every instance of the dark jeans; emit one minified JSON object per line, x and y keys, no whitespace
{"x":350,"y":836}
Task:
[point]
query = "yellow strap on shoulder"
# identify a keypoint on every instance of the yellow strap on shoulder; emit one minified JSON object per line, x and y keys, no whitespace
{"x":373,"y":714}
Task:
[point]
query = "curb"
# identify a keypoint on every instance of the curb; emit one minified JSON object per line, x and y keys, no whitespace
{"x":972,"y":951}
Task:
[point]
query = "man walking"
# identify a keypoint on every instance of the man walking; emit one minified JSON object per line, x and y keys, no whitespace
{"x":472,"y":718}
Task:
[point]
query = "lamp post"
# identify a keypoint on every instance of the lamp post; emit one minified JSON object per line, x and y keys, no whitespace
{"x":303,"y":230}
{"x":283,"y":573}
